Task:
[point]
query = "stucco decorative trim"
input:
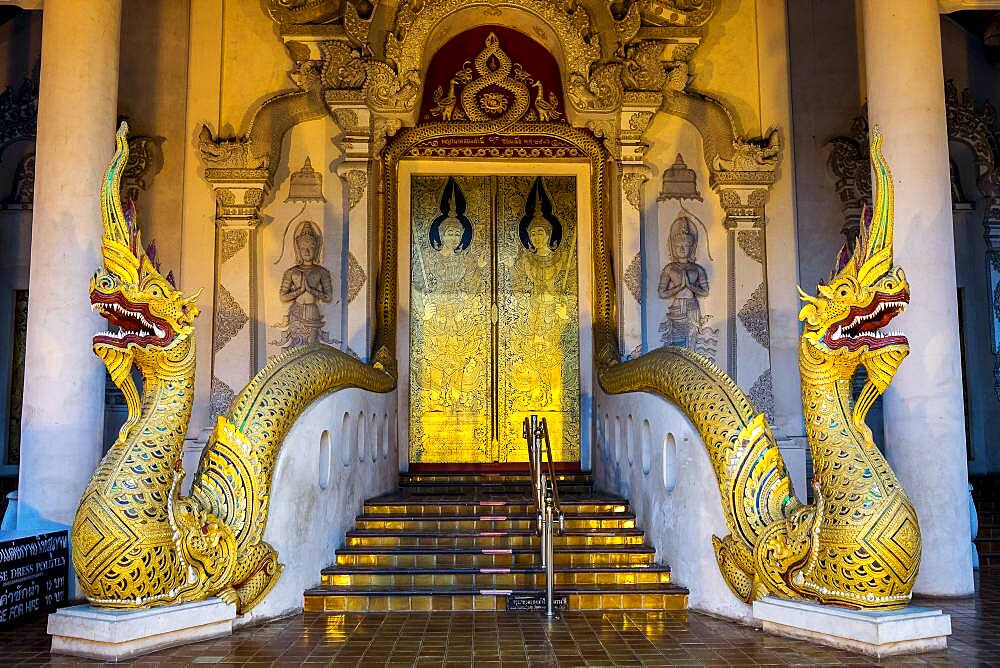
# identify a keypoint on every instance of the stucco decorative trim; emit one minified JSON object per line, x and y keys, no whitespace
{"x":848,"y":164}
{"x":762,"y":394}
{"x":230,"y":318}
{"x":145,"y":160}
{"x":22,"y":193}
{"x":254,"y":153}
{"x":633,"y":278}
{"x":221,"y":398}
{"x":233,"y":241}
{"x":750,"y":242}
{"x":631,"y":188}
{"x":19,"y":110}
{"x":356,"y":181}
{"x":356,"y":277}
{"x":753,"y":315}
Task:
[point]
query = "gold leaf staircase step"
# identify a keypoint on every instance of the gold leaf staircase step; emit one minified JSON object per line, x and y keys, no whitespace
{"x":458,"y":541}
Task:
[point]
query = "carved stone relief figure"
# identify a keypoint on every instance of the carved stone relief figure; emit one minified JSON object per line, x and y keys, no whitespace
{"x":683,"y":283}
{"x":304,"y":287}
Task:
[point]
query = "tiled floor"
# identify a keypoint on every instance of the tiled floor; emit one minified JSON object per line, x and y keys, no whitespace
{"x":499,"y":639}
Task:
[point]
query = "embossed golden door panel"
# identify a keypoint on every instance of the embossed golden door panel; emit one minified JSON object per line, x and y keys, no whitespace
{"x":494,"y":317}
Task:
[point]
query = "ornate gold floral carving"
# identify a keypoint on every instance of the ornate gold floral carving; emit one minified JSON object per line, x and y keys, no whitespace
{"x":607,"y":131}
{"x":382,"y":129}
{"x":301,"y":12}
{"x":631,"y":186}
{"x":356,"y":181}
{"x":676,"y":13}
{"x":415,"y":19}
{"x":343,"y":66}
{"x":474,"y":91}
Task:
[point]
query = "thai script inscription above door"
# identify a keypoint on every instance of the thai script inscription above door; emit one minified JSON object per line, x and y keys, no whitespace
{"x":494,"y":317}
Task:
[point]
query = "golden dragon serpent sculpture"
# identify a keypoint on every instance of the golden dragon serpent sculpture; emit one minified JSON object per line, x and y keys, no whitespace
{"x":858,"y":545}
{"x":137,"y":541}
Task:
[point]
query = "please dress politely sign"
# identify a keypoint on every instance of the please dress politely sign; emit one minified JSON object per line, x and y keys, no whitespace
{"x":34,"y":576}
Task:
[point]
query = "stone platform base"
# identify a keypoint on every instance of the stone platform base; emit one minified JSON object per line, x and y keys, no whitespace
{"x":907,"y":631}
{"x":119,"y":635}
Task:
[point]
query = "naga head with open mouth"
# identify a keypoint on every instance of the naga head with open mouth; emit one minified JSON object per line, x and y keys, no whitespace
{"x":147,"y":316}
{"x":849,"y":321}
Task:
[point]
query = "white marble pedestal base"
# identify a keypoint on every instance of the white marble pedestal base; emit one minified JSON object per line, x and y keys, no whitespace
{"x":119,"y":635}
{"x":907,"y":631}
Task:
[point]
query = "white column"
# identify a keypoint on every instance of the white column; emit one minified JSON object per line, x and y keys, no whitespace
{"x":63,"y":410}
{"x":356,"y":268}
{"x":924,"y":412}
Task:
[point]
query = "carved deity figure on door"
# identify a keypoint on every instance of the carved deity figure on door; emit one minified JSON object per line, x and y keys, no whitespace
{"x":541,"y":271}
{"x":448,"y":270}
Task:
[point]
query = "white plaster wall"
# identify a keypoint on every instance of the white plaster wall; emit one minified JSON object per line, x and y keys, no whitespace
{"x":679,"y":518}
{"x":318,"y":490}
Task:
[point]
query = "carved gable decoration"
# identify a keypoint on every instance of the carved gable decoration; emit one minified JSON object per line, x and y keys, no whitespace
{"x":493,"y":73}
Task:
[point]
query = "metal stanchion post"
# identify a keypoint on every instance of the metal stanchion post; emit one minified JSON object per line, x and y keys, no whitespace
{"x":550,"y":571}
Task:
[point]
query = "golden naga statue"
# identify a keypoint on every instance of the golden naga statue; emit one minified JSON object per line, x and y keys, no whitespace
{"x":137,"y":541}
{"x":858,"y":545}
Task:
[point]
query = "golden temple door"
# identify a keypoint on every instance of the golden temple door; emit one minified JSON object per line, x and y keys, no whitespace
{"x":494,"y":317}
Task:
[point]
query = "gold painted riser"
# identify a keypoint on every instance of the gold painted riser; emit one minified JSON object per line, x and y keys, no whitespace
{"x":418,"y":602}
{"x":491,"y":560}
{"x":523,"y":479}
{"x":429,"y":509}
{"x":490,"y":541}
{"x":494,"y":478}
{"x":619,"y":577}
{"x":477,"y":523}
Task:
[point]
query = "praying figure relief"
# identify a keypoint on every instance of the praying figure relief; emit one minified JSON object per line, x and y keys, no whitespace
{"x":304,"y":287}
{"x":683,"y":283}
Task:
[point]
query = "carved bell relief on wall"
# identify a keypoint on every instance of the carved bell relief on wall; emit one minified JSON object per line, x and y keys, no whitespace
{"x":684,"y":282}
{"x":307,"y":285}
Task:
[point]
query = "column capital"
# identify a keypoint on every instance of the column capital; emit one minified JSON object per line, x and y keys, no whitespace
{"x":743,"y":203}
{"x":238,"y":204}
{"x":634,"y":119}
